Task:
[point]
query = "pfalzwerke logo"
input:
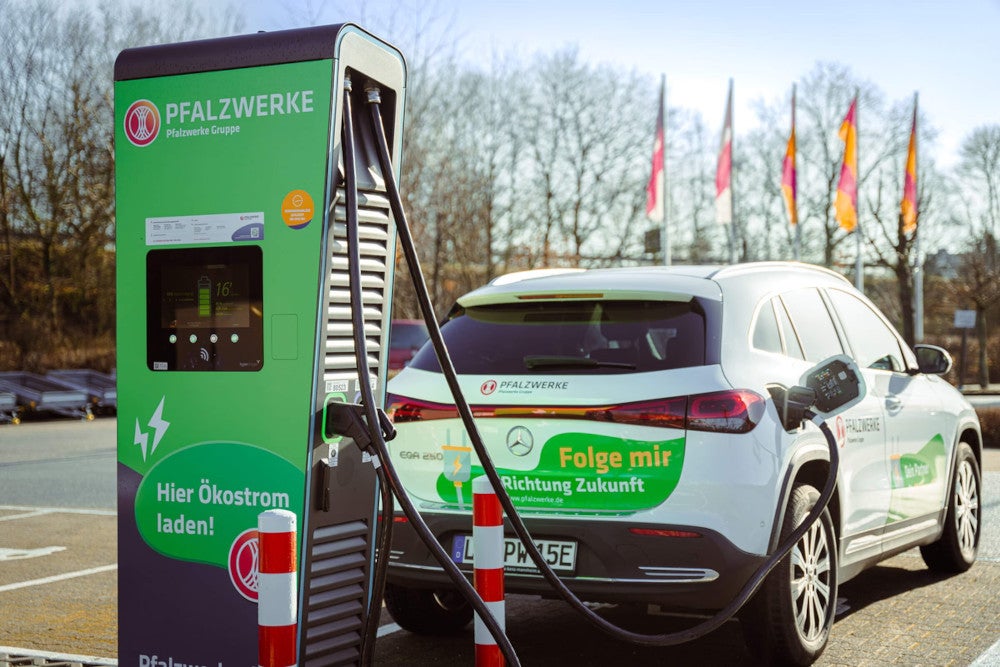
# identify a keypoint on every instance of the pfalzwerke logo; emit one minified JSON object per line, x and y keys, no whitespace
{"x":244,"y":560}
{"x":142,"y":123}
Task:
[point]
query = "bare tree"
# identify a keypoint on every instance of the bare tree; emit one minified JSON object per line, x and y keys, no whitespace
{"x":57,"y":162}
{"x":587,"y":133}
{"x":766,"y":232}
{"x":979,"y":174}
{"x":979,"y":170}
{"x":691,"y":152}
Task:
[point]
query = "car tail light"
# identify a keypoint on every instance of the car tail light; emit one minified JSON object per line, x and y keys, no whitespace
{"x":402,"y":409}
{"x":665,"y":413}
{"x":736,"y":411}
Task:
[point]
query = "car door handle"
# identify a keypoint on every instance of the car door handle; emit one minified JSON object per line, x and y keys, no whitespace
{"x":893,"y":404}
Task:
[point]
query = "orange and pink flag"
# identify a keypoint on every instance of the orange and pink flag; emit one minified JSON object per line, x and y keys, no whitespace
{"x":846,"y":204}
{"x":788,"y":176}
{"x":908,"y":207}
{"x":724,"y":167}
{"x":654,"y":188}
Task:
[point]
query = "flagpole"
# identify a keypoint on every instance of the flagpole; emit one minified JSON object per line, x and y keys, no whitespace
{"x":918,"y":270}
{"x":918,"y":311}
{"x":859,"y":262}
{"x":667,"y":247}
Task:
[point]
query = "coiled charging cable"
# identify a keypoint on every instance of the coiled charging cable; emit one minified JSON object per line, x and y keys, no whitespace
{"x":451,"y":377}
{"x":387,"y":475}
{"x":387,"y":472}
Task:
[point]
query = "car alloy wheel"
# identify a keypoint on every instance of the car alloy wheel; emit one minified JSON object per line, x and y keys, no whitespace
{"x":966,"y":509}
{"x":810,"y":589}
{"x":956,"y":550}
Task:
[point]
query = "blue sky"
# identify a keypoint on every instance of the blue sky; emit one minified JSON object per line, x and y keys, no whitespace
{"x":947,"y":50}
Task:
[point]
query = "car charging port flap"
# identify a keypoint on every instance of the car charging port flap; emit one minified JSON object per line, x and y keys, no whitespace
{"x":827,"y":389}
{"x":837,"y":383}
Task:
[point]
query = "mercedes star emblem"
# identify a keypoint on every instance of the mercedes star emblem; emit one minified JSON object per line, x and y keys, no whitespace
{"x":520,"y":441}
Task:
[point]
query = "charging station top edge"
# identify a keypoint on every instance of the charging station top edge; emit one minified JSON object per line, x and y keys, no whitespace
{"x":222,"y":53}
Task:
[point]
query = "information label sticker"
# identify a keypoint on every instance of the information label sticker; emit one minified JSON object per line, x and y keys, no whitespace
{"x":215,"y":228}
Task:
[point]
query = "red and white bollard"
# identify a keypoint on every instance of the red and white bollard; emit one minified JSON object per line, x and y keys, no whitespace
{"x":277,"y":603}
{"x":487,"y":540}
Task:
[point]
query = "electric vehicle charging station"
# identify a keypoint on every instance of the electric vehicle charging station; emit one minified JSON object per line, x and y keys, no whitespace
{"x":234,"y":334}
{"x":239,"y":312}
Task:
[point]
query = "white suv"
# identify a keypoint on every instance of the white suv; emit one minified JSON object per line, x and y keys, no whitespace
{"x":629,"y":414}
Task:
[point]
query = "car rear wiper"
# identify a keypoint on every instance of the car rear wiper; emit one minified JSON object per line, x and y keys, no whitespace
{"x":537,"y":361}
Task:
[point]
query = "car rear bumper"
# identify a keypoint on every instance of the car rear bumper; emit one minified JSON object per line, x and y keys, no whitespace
{"x":613,"y":564}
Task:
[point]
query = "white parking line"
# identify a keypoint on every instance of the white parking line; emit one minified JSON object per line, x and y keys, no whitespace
{"x":24,"y":554}
{"x":388,"y":629}
{"x":54,"y":510}
{"x":48,"y":655}
{"x":989,"y":658}
{"x":26,"y":515}
{"x":58,"y":577}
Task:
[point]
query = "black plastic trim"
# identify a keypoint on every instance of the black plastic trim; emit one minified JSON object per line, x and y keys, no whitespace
{"x":609,"y":562}
{"x":208,"y":55}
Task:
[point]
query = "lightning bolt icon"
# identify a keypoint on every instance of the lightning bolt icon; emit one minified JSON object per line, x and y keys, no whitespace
{"x":159,"y":426}
{"x":457,"y":465}
{"x":141,"y":439}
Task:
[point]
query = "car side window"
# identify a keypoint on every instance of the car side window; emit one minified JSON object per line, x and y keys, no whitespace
{"x":765,"y":330}
{"x":813,"y":324}
{"x":874,"y":344}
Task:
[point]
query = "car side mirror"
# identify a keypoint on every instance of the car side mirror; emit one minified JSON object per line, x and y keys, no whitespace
{"x":932,"y":359}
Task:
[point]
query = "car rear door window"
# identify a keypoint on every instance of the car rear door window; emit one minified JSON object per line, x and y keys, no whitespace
{"x":766,"y":336}
{"x":811,"y":321}
{"x":571,"y":336}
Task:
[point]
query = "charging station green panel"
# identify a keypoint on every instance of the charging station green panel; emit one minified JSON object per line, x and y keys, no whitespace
{"x":234,"y":327}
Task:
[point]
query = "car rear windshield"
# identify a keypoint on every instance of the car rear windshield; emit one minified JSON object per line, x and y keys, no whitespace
{"x":581,"y":337}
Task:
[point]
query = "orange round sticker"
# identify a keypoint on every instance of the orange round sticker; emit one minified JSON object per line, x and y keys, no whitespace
{"x":297,"y":209}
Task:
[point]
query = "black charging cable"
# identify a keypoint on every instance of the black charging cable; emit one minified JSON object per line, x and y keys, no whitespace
{"x":451,"y":377}
{"x":384,"y":525}
{"x":381,"y":456}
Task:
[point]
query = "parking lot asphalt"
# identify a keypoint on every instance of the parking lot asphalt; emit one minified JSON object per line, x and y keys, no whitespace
{"x":63,"y":601}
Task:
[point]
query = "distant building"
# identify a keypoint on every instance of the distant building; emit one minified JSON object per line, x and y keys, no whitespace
{"x":944,"y":264}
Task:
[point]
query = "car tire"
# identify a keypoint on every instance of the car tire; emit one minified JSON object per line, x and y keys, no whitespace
{"x":789,"y":619}
{"x":956,"y":549}
{"x":426,"y":611}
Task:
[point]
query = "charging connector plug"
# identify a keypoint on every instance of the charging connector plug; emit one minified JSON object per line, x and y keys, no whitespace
{"x":348,"y":420}
{"x":792,"y":403}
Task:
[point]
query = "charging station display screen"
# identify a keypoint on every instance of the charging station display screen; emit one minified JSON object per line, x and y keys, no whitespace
{"x":204,"y":309}
{"x":205,"y":296}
